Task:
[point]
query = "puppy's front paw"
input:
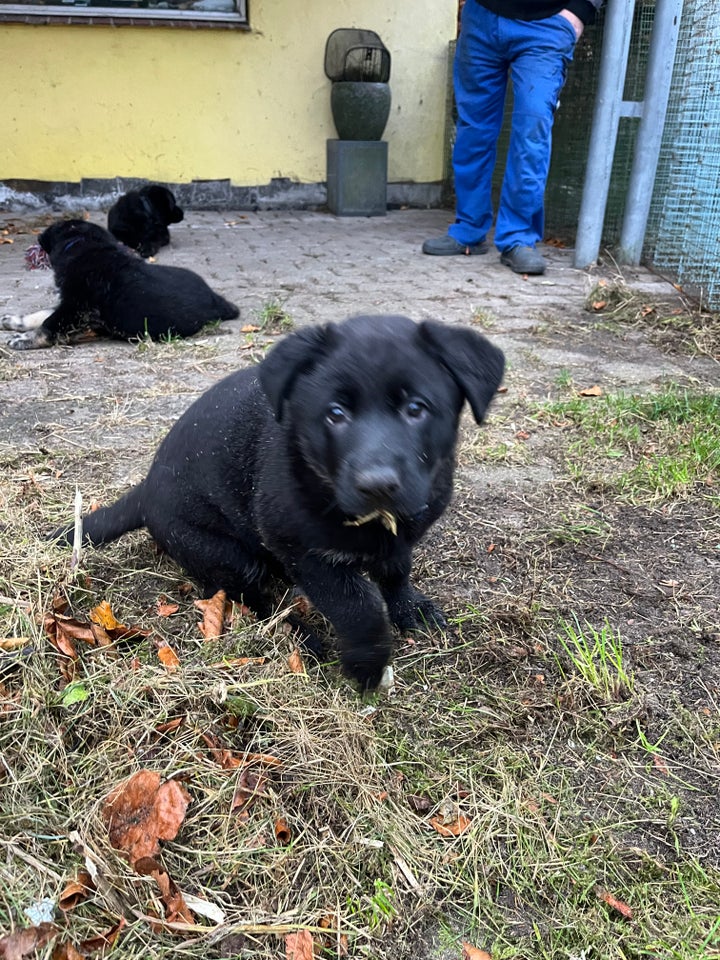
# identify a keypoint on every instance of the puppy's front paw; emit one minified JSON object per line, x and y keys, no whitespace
{"x":12,"y":322}
{"x":28,"y":341}
{"x":415,"y":612}
{"x":429,"y":615}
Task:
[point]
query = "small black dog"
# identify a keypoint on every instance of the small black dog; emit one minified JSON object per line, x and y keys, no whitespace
{"x":329,"y":460}
{"x":112,"y":291}
{"x":140,"y":218}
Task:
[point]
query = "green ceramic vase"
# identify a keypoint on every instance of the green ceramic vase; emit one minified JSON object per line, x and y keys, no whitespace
{"x":360,"y":109}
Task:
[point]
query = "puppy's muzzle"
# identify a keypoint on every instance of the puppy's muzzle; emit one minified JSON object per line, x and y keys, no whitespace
{"x":378,"y":486}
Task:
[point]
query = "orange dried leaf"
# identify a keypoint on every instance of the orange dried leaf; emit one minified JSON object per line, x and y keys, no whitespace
{"x":24,"y":943}
{"x":299,"y":946}
{"x":622,"y":908}
{"x":594,"y":391}
{"x":453,"y":829}
{"x":169,"y":725}
{"x":599,"y":304}
{"x":103,"y":615}
{"x":213,"y":611}
{"x":175,"y":907}
{"x":66,"y":951}
{"x":283,"y":834}
{"x":166,"y":608}
{"x":295,"y":662}
{"x":103,"y":940}
{"x":76,"y":891}
{"x":222,"y":755}
{"x":13,"y":643}
{"x":167,"y":656}
{"x":473,"y":953}
{"x":102,"y":637}
{"x":267,"y":758}
{"x":141,"y":811}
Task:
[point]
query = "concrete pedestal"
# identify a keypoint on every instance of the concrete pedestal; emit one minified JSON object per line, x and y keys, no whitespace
{"x":357,"y":177}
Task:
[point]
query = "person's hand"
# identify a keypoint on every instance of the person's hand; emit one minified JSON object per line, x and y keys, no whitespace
{"x":577,"y":24}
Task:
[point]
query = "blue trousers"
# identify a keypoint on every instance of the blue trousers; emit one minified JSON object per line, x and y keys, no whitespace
{"x":534,"y":54}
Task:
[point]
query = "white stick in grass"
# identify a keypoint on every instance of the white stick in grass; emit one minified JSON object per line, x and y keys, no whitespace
{"x":78,"y":533}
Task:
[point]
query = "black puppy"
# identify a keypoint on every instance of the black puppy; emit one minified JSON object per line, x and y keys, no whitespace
{"x":112,"y":291}
{"x":326,"y":462}
{"x":140,"y":218}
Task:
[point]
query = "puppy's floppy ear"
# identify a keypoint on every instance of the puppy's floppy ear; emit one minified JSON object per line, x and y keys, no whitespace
{"x":292,"y":356}
{"x":164,"y":202}
{"x":473,"y":362}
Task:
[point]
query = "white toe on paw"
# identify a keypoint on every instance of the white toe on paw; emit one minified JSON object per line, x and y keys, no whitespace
{"x":12,"y":322}
{"x":25,"y":341}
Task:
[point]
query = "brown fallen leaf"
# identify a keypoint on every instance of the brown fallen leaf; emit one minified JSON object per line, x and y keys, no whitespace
{"x":103,"y":940}
{"x":66,"y":951}
{"x":167,"y":656}
{"x":299,"y":946}
{"x":226,"y":758}
{"x":175,"y":907}
{"x":165,"y":607}
{"x":169,"y":725}
{"x":76,"y":891}
{"x":473,"y":953}
{"x":452,"y":829}
{"x":141,"y":811}
{"x":622,"y":908}
{"x":598,"y":304}
{"x":295,"y":662}
{"x":250,"y":786}
{"x":213,"y":610}
{"x":283,"y":834}
{"x":23,"y":943}
{"x":62,"y":632}
{"x":249,"y":328}
{"x":594,"y":391}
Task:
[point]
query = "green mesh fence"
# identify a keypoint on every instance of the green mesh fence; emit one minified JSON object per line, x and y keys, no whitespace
{"x":683,"y":238}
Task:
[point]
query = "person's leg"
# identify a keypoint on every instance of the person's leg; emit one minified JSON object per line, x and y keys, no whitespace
{"x":480,"y":80}
{"x":541,"y":52}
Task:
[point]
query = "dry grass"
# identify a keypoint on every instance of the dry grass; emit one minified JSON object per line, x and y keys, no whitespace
{"x":673,"y":325}
{"x":568,"y":779}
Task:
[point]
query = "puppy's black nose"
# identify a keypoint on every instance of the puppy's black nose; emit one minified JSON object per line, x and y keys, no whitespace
{"x":378,"y":484}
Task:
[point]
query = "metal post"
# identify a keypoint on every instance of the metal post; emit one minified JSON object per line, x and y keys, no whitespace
{"x":661,"y":59}
{"x":606,"y":117}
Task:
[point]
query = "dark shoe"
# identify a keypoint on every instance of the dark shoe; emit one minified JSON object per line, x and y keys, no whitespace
{"x":523,"y":260}
{"x":448,"y":246}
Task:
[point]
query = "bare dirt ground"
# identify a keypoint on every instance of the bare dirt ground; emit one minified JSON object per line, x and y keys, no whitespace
{"x":571,"y":715}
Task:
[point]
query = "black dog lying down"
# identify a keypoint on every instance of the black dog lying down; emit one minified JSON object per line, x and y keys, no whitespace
{"x":140,"y":218}
{"x":112,"y":291}
{"x":329,"y":460}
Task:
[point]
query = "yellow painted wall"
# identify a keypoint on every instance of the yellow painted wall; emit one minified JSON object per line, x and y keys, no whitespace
{"x":179,"y":105}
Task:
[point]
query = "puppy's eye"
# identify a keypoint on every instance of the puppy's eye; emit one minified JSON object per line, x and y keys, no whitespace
{"x":415,"y":409}
{"x":336,"y":414}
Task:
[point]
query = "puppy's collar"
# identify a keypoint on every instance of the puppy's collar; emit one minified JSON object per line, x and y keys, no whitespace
{"x":71,"y":243}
